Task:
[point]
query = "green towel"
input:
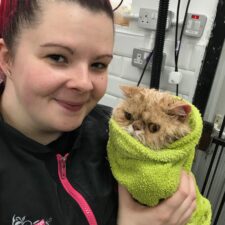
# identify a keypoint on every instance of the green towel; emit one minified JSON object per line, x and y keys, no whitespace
{"x":151,"y":175}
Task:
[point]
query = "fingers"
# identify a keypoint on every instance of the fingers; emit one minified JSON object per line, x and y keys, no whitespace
{"x":183,"y":191}
{"x":187,"y":215}
{"x":179,"y":208}
{"x":174,"y":210}
{"x":189,"y":205}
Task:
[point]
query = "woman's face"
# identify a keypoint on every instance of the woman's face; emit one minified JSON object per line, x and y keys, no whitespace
{"x":59,"y":71}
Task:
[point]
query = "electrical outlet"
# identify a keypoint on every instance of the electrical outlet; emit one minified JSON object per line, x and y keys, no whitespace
{"x":139,"y":58}
{"x":148,"y":18}
{"x":195,"y":25}
{"x":218,"y":120}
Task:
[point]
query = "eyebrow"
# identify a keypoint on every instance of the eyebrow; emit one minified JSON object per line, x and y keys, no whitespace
{"x":104,"y":56}
{"x":59,"y":46}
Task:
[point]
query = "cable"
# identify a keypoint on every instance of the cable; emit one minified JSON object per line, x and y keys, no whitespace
{"x":118,"y":6}
{"x":178,"y":43}
{"x":177,"y":89}
{"x":145,"y":67}
{"x":176,"y":35}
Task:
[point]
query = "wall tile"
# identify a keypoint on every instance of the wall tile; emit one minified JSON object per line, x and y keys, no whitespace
{"x":125,"y":42}
{"x":116,"y":64}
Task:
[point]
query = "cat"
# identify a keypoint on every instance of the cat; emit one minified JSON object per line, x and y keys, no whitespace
{"x":154,"y":118}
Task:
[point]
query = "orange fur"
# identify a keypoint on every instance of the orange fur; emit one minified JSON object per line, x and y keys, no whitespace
{"x":154,"y":118}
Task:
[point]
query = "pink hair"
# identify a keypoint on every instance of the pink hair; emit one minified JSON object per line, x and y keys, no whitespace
{"x":7,"y":9}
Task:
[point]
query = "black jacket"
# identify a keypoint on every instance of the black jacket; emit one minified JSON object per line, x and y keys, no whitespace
{"x":31,"y":191}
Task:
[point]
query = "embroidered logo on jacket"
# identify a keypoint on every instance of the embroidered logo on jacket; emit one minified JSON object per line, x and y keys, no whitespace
{"x":16,"y":220}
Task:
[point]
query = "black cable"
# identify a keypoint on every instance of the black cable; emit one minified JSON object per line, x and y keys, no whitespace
{"x":176,"y":35}
{"x":176,"y":47}
{"x":182,"y":29}
{"x":118,"y":6}
{"x":178,"y":44}
{"x":145,"y":67}
{"x":177,"y":89}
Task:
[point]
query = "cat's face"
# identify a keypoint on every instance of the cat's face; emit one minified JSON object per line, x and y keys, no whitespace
{"x":154,"y":118}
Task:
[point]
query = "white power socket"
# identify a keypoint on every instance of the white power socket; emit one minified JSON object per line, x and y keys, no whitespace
{"x":218,"y":120}
{"x":148,"y":18}
{"x":140,"y":57}
{"x":175,"y":77}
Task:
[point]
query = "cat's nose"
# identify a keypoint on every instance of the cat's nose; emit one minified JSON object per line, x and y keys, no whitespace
{"x":137,"y":125}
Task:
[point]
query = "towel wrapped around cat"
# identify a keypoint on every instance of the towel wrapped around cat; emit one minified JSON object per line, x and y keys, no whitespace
{"x":152,"y":175}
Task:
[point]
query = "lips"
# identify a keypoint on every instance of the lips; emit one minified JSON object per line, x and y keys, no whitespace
{"x":71,"y":106}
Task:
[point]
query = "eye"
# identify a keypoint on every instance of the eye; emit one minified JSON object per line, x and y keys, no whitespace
{"x":153,"y":127}
{"x":99,"y":66}
{"x":128,"y":115}
{"x":57,"y":58}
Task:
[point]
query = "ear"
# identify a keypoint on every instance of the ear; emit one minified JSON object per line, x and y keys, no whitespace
{"x":129,"y":91}
{"x":181,"y":110}
{"x":5,"y":60}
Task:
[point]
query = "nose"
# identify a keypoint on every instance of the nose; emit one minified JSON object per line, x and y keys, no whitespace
{"x":80,"y":78}
{"x":138,"y":125}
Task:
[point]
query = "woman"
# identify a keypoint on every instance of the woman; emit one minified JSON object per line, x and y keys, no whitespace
{"x":54,"y":56}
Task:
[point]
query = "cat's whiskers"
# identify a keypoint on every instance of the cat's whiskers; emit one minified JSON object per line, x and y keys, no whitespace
{"x":130,"y":129}
{"x":140,"y":136}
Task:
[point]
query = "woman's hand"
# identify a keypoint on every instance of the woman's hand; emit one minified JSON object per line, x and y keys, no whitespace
{"x":175,"y":210}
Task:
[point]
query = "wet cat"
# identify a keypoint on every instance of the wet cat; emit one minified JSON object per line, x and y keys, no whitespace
{"x":154,"y":118}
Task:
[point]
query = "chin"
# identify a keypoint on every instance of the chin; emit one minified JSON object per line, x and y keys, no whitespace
{"x":71,"y":122}
{"x":70,"y":126}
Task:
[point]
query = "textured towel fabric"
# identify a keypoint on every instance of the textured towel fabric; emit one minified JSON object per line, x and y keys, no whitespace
{"x":154,"y":175}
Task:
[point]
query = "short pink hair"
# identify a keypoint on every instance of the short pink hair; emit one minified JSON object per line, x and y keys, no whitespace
{"x":7,"y":9}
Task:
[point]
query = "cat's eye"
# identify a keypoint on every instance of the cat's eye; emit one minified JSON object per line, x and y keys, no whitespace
{"x":153,"y":127}
{"x":128,"y":115}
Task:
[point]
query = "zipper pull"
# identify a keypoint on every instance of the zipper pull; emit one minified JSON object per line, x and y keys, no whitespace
{"x":62,"y":165}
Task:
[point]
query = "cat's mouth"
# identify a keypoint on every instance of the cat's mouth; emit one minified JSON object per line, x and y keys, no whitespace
{"x":138,"y":134}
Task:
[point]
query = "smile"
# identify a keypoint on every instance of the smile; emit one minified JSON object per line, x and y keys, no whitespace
{"x":71,"y":106}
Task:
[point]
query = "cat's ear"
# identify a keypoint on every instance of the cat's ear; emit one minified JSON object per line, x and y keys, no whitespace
{"x":128,"y":91}
{"x":181,"y":110}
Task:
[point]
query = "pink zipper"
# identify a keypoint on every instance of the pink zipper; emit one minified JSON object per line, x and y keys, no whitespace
{"x":74,"y":193}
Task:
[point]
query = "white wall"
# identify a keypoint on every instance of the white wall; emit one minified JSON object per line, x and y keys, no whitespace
{"x":192,"y":51}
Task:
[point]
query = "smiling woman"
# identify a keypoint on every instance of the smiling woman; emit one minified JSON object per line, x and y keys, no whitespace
{"x":55,"y":61}
{"x":54,"y":57}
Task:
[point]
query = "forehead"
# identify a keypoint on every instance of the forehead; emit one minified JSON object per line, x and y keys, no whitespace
{"x":69,"y":12}
{"x":67,"y":21}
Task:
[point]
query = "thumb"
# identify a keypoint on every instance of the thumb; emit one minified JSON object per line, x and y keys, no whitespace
{"x":124,"y":195}
{"x":126,"y":200}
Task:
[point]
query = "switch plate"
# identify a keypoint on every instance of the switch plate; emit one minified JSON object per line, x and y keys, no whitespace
{"x":140,"y":56}
{"x":195,"y":25}
{"x":148,"y":18}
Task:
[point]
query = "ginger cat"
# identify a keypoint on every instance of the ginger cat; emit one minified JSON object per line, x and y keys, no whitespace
{"x":154,"y":118}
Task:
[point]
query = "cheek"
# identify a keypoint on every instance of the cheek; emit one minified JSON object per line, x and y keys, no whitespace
{"x":100,"y":85}
{"x":32,"y":85}
{"x":39,"y":82}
